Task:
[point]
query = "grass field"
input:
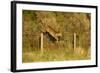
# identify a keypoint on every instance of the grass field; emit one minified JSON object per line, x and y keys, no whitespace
{"x":55,"y":55}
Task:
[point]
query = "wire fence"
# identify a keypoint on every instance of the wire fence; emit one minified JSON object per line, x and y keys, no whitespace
{"x":33,"y":42}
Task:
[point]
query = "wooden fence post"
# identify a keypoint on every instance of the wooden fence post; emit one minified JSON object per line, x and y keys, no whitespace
{"x":41,"y":42}
{"x":74,"y":41}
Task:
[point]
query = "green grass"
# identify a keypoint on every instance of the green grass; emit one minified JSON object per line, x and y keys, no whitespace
{"x":54,"y":55}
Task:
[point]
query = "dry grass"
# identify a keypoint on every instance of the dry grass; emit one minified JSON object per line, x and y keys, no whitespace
{"x":55,"y":55}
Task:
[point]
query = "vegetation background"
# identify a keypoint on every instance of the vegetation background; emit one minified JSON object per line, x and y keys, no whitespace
{"x":67,"y":23}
